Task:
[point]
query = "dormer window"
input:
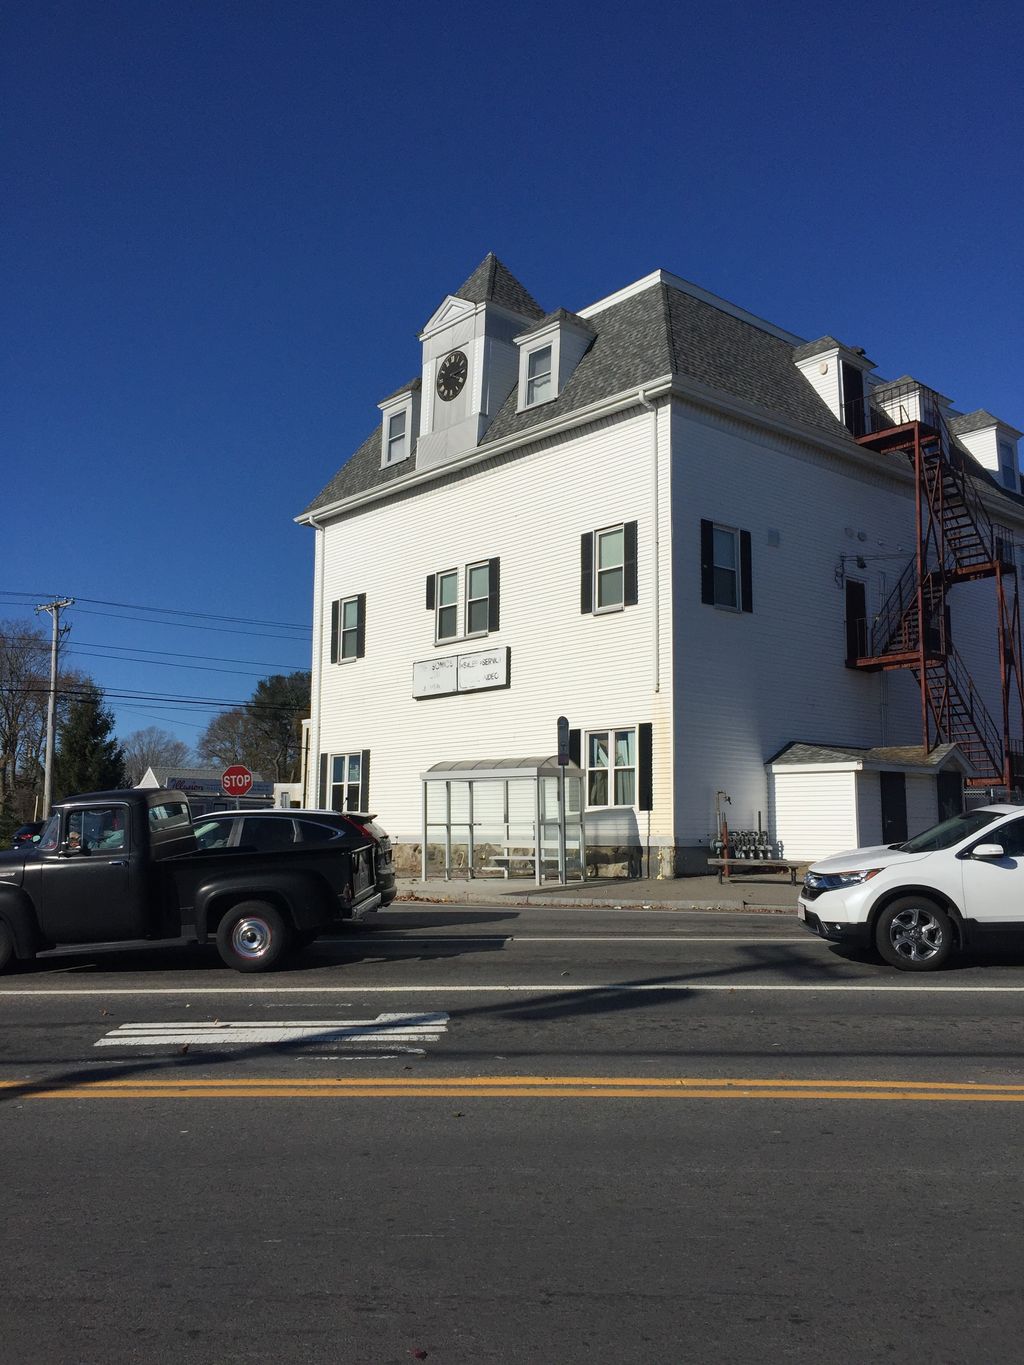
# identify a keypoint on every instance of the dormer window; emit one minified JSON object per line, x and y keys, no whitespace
{"x":397,"y":434}
{"x":548,"y":354}
{"x":539,"y":387}
{"x":399,"y":423}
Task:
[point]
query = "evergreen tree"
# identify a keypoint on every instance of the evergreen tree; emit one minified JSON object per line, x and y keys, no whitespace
{"x":88,"y":757}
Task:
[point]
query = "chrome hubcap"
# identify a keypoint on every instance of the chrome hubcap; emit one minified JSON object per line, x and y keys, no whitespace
{"x":251,"y":937}
{"x":915,"y":935}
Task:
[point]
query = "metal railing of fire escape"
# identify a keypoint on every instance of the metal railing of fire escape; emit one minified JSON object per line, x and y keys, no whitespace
{"x":959,"y":541}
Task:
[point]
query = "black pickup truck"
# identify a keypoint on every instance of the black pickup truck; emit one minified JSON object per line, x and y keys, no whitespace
{"x":122,"y":869}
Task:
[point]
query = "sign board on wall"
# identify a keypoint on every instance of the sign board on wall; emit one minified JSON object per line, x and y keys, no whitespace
{"x":484,"y":668}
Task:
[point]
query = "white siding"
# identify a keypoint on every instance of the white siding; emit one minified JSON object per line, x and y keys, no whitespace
{"x":826,"y":385}
{"x":815,"y":813}
{"x":599,"y":671}
{"x":747,"y":684}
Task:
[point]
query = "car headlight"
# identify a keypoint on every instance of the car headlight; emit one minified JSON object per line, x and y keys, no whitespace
{"x":834,"y":881}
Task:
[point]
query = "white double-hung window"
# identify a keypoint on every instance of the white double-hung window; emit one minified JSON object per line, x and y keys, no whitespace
{"x":726,"y":561}
{"x":478,"y":598}
{"x":539,"y":384}
{"x":346,"y":786}
{"x":611,"y":767}
{"x":447,"y":605}
{"x":397,"y":449}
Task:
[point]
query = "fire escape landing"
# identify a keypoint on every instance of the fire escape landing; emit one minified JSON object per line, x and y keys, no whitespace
{"x":957,"y":542}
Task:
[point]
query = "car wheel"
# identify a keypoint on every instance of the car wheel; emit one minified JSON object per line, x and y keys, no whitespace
{"x":6,"y":946}
{"x":252,"y":936}
{"x":914,"y":934}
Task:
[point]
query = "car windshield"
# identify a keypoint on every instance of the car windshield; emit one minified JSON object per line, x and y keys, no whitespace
{"x":950,"y":832}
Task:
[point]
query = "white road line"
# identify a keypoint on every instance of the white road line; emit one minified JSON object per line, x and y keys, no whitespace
{"x":386,"y":1030}
{"x":567,"y":938}
{"x":557,"y":988}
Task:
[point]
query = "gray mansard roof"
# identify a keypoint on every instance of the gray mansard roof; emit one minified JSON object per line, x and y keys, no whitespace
{"x":647,"y":336}
{"x":661,"y":331}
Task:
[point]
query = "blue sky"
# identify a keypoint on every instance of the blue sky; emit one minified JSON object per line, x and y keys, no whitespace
{"x":226,"y":223}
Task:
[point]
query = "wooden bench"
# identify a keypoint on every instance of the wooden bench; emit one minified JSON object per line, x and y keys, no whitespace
{"x":726,"y":866}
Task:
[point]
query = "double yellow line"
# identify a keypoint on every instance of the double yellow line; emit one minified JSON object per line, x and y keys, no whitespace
{"x":518,"y":1087}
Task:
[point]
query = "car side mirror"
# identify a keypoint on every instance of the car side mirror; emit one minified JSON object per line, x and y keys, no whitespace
{"x":988,"y":851}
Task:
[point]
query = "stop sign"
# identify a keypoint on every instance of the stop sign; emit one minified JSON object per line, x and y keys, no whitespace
{"x":236,"y":780}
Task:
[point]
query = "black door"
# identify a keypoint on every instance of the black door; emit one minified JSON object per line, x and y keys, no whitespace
{"x":854,"y":416}
{"x":894,"y":807}
{"x":951,"y":795}
{"x":856,"y":620}
{"x":85,"y":886}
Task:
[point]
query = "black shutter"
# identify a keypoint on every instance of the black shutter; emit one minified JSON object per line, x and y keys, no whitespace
{"x":746,"y":586}
{"x":364,"y":782}
{"x":587,"y":573}
{"x":360,"y":625}
{"x":645,"y":760}
{"x":629,"y":564}
{"x":335,"y":630}
{"x":707,"y":562}
{"x":431,"y":585}
{"x":493,"y":594}
{"x":574,"y":746}
{"x":323,"y":782}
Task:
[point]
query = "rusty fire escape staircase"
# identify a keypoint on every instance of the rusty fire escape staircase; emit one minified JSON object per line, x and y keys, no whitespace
{"x":957,"y":542}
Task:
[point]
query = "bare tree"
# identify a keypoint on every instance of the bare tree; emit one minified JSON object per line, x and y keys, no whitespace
{"x":152,"y":748}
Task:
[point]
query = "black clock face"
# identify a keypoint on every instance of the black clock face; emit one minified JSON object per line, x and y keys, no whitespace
{"x":451,"y":376}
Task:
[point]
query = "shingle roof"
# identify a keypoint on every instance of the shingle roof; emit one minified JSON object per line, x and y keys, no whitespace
{"x":560,"y":315}
{"x":897,"y":756}
{"x":647,"y":336}
{"x":813,"y":348}
{"x":413,"y":386}
{"x":974,"y":421}
{"x":493,"y":282}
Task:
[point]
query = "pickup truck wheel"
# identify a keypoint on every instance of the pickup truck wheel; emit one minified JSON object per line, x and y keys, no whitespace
{"x":252,"y":936}
{"x":914,"y":934}
{"x":6,"y":946}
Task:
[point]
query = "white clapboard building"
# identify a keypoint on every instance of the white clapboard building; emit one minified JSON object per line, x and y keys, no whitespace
{"x":758,"y":579}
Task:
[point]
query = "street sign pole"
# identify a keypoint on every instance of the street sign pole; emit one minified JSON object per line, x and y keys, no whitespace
{"x":563,"y":759}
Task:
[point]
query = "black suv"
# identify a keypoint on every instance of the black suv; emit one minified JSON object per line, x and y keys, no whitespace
{"x":266,"y":830}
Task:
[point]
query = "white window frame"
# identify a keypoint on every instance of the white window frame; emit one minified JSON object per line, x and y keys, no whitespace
{"x":396,"y":448}
{"x":396,"y":444}
{"x":484,"y":564}
{"x":613,"y":768}
{"x":345,"y":784}
{"x":344,"y":630}
{"x":737,"y":603}
{"x":440,"y":639}
{"x":549,"y":339}
{"x":597,"y":570}
{"x":541,"y":377}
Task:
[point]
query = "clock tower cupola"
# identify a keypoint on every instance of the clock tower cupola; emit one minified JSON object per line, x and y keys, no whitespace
{"x":470,"y":360}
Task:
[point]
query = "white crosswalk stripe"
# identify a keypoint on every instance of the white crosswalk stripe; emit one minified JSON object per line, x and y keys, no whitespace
{"x":387,"y":1030}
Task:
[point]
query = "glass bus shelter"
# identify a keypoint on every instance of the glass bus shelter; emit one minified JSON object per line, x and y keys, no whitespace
{"x":504,"y":817}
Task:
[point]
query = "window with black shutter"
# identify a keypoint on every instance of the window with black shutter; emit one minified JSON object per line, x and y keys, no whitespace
{"x":348,"y":628}
{"x":608,"y":569}
{"x":726,"y":572}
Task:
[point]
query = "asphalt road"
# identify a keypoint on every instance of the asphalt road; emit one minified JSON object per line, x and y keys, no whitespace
{"x":514,"y":1136}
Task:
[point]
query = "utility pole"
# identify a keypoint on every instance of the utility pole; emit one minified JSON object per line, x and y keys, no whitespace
{"x":54,"y":609}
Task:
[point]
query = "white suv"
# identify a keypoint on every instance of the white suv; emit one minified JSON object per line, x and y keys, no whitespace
{"x":917,"y":901}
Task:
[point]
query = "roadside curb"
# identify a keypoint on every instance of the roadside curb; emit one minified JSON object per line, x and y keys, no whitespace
{"x":581,"y":903}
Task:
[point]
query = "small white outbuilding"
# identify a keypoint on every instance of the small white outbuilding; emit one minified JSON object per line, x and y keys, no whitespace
{"x":824,"y":799}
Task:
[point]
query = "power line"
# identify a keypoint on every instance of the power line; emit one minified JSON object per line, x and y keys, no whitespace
{"x":185,"y":625}
{"x":164,"y":663}
{"x":168,"y":611}
{"x":76,"y":691}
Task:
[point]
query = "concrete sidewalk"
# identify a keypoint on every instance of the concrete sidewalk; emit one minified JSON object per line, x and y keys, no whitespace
{"x":769,"y":893}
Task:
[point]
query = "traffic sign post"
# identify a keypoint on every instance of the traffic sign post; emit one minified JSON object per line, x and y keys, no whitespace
{"x":563,"y":759}
{"x":236,"y":780}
